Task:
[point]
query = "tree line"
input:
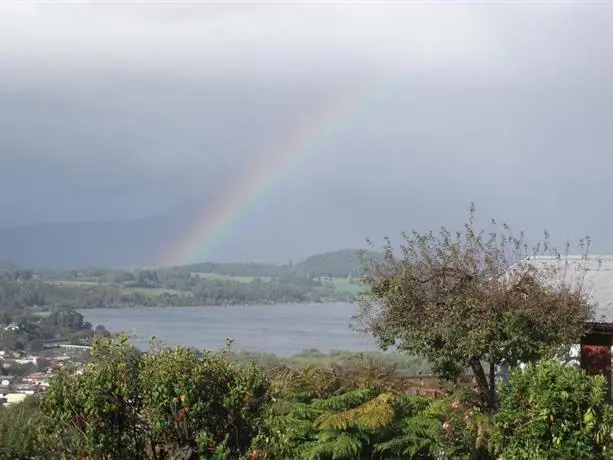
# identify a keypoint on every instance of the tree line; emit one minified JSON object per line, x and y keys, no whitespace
{"x":193,"y":285}
{"x":193,"y":291}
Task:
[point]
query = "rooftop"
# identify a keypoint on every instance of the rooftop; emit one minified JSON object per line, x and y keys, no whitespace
{"x":596,"y":272}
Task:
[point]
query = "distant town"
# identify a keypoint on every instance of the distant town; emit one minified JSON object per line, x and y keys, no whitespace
{"x":23,"y":374}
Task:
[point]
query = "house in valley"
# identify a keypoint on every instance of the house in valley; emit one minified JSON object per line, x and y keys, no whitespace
{"x":5,"y":382}
{"x":14,"y":398}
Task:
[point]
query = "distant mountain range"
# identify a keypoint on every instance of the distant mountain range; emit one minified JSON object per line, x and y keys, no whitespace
{"x":63,"y":245}
{"x":140,"y":242}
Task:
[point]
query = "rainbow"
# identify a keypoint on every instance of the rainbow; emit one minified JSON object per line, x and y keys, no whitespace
{"x":268,"y":167}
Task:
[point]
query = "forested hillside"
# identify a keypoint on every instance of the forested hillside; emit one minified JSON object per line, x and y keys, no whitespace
{"x":322,"y":278}
{"x":338,"y":264}
{"x":344,"y":263}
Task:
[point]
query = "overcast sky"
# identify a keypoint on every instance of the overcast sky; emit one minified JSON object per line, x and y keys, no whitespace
{"x":112,"y":110}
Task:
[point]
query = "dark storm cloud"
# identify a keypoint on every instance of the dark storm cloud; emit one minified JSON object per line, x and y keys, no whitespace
{"x":131,"y":110}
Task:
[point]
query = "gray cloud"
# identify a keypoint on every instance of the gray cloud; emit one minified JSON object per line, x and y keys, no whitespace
{"x":217,"y":36}
{"x":125,"y":110}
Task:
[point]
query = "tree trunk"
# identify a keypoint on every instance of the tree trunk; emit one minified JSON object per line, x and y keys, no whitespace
{"x":493,"y":403}
{"x":487,"y":399}
{"x":482,"y":384}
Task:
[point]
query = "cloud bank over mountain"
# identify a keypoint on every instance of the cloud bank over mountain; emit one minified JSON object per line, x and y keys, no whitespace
{"x":113,"y":112}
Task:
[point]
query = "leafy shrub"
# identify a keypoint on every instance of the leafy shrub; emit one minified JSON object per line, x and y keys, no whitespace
{"x":361,"y":423}
{"x":554,"y":411}
{"x":466,"y":431}
{"x":177,"y":403}
{"x":19,"y":425}
{"x":201,"y":403}
{"x":158,"y":405}
{"x":97,"y":413}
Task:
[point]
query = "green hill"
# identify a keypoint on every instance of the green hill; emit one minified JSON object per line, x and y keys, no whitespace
{"x":344,"y":263}
{"x":336,"y":264}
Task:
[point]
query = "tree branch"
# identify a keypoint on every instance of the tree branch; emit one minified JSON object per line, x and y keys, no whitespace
{"x":443,"y":271}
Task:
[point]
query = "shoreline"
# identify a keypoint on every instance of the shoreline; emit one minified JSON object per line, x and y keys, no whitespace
{"x":272,"y":304}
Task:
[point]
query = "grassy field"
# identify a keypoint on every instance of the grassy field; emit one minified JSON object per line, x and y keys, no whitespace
{"x":343,"y":285}
{"x":149,"y":291}
{"x":238,"y":279}
{"x":346,"y":285}
{"x":340,"y":284}
{"x":74,"y":283}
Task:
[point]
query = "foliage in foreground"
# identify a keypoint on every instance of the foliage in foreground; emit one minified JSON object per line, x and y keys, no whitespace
{"x":360,"y":424}
{"x":156,"y":405}
{"x":552,"y":411}
{"x":394,"y":364}
{"x":19,"y":428}
{"x":176,"y":404}
{"x":326,"y":414}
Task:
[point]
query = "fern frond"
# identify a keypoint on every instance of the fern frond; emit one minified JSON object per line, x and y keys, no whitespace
{"x":345,"y":401}
{"x":307,"y":450}
{"x":412,"y":405}
{"x":304,"y":411}
{"x":422,"y":427}
{"x":343,"y":446}
{"x":374,"y":414}
{"x":419,"y":437}
{"x":327,"y":436}
{"x":393,"y":446}
{"x":346,"y":447}
{"x":297,"y":428}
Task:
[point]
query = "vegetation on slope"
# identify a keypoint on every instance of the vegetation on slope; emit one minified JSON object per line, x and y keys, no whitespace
{"x":345,"y":263}
{"x":26,"y":329}
{"x":194,"y":285}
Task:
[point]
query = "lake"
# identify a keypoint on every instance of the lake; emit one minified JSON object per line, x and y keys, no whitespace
{"x":280,"y":329}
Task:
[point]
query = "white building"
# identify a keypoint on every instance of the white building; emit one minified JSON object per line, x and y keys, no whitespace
{"x":595,"y":274}
{"x":14,"y":398}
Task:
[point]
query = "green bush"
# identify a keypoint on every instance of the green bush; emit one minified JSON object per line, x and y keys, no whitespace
{"x":367,"y":422}
{"x":554,"y":411}
{"x":19,"y":426}
{"x":201,"y":403}
{"x":97,"y":413}
{"x":176,"y":403}
{"x":170,"y":403}
{"x":464,"y":431}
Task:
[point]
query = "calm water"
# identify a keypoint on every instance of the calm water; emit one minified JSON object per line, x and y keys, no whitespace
{"x":279,"y":329}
